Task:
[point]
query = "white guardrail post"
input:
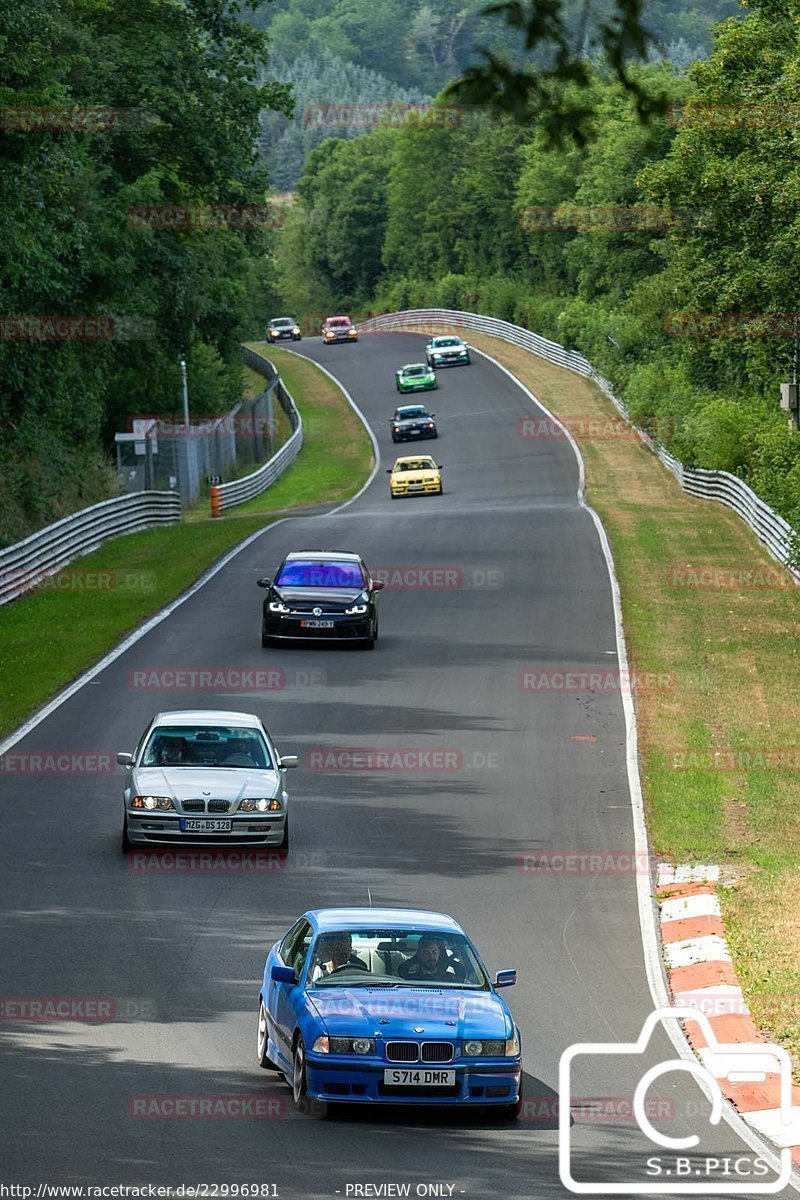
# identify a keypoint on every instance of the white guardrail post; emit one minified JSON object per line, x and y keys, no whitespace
{"x":774,"y":533}
{"x":226,"y":495}
{"x":24,"y":565}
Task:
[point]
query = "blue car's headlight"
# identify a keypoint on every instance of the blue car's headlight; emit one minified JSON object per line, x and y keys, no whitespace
{"x":342,"y":1045}
{"x":492,"y":1048}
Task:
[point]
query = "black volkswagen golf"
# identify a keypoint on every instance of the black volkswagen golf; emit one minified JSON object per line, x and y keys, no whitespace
{"x":324,"y":595}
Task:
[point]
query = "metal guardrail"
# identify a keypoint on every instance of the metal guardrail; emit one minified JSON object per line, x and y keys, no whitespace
{"x":227,"y":495}
{"x":774,"y":533}
{"x":24,"y":565}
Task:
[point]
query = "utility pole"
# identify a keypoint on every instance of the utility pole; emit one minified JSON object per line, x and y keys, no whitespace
{"x":185,"y":393}
{"x":790,"y":391}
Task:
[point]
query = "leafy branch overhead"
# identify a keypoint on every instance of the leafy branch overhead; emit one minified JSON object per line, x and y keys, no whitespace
{"x":551,"y":85}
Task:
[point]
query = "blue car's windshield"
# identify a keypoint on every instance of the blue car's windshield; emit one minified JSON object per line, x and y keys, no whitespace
{"x":308,"y":573}
{"x":394,"y":958}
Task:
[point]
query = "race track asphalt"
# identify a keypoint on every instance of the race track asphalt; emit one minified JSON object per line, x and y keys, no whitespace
{"x":505,"y":587}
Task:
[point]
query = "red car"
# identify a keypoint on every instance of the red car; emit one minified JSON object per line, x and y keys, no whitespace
{"x":338,"y":329}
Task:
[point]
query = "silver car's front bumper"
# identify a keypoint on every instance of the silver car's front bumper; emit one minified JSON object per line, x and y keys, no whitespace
{"x":164,"y":829}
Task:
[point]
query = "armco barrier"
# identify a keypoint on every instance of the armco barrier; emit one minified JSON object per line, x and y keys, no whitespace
{"x":771,"y":529}
{"x":226,"y":495}
{"x":26,"y":563}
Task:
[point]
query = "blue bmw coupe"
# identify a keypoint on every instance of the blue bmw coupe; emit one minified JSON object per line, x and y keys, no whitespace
{"x":393,"y":1006}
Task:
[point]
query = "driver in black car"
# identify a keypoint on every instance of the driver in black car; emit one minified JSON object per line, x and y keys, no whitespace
{"x":335,"y":951}
{"x":432,"y":962}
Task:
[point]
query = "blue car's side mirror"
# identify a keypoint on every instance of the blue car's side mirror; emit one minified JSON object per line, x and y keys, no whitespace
{"x":502,"y":979}
{"x":282,"y":975}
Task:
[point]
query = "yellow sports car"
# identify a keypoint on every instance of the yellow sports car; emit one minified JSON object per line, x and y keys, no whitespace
{"x":415,"y":476}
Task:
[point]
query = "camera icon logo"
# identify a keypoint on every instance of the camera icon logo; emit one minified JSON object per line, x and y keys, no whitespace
{"x":736,"y":1063}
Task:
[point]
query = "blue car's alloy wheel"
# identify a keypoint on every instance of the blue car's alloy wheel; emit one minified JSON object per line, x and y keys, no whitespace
{"x":299,"y":1075}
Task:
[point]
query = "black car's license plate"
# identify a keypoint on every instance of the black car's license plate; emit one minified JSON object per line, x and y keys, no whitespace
{"x":316,"y":624}
{"x":189,"y":826}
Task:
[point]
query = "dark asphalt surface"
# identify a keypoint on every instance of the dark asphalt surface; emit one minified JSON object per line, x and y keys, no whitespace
{"x":181,"y":953}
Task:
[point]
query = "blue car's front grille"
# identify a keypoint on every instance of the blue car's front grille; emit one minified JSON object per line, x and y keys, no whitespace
{"x":430,"y":1052}
{"x":402,"y":1051}
{"x":437,"y":1051}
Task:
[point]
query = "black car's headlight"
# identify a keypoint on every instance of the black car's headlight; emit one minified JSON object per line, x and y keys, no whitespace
{"x":492,"y":1048}
{"x":150,"y":803}
{"x":262,"y":804}
{"x":277,"y":606}
{"x":342,"y":1045}
{"x":358,"y":609}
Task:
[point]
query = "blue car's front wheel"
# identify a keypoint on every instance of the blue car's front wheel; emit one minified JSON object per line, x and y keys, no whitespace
{"x":299,"y":1084}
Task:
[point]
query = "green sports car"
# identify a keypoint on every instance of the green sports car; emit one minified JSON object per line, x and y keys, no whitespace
{"x":416,"y":377}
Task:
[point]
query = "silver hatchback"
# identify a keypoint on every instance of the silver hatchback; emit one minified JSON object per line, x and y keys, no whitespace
{"x":205,"y":778}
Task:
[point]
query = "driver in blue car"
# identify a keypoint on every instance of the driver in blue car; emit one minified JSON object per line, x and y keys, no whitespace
{"x":334,"y":953}
{"x":432,"y":962}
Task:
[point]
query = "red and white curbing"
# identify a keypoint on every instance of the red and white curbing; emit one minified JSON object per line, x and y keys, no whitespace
{"x":701,"y":976}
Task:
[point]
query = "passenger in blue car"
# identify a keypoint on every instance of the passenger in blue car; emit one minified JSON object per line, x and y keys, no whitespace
{"x":432,"y":962}
{"x":334,"y":952}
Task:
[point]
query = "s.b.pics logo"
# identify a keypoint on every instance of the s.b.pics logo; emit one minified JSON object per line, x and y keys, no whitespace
{"x":673,"y":1165}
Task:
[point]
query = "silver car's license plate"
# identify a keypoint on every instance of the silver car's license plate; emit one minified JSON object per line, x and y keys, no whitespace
{"x":416,"y":1077}
{"x":316,"y":624}
{"x":205,"y":826}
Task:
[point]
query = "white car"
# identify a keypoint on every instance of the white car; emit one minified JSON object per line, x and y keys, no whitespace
{"x":202,"y":778}
{"x":448,"y":351}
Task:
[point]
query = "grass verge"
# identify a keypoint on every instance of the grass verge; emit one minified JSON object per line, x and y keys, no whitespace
{"x":337,"y":454}
{"x":52,"y":635}
{"x":707,"y":608}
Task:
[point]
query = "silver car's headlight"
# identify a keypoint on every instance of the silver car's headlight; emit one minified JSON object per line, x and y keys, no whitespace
{"x":261,"y":804}
{"x":152,"y":802}
{"x":277,"y":606}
